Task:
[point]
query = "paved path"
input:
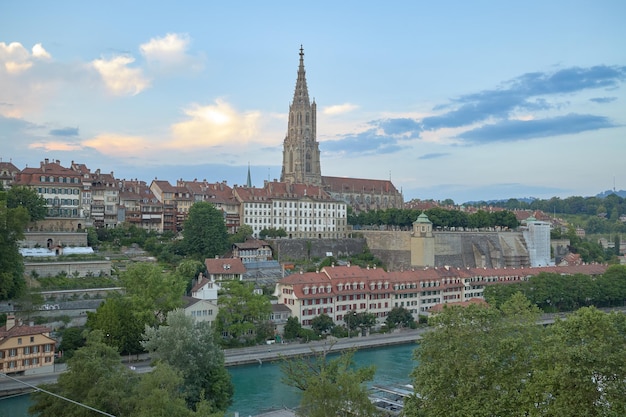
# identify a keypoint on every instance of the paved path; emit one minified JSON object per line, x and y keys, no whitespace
{"x":272,"y":352}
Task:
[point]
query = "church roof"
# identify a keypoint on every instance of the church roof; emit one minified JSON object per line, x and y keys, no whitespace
{"x":354,"y":185}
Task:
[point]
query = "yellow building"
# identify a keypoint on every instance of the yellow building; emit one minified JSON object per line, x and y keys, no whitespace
{"x":25,"y":349}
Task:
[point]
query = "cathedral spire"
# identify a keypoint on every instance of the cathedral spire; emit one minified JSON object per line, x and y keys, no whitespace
{"x":301,"y":155}
{"x":249,"y":181}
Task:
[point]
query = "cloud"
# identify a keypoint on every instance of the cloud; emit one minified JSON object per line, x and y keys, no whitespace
{"x":117,"y":145}
{"x":433,"y":155}
{"x":118,"y":77}
{"x":52,"y":146}
{"x":603,"y":100}
{"x":524,"y":93}
{"x":169,"y":52}
{"x":66,"y":131}
{"x":339,"y":109}
{"x":213,"y":125}
{"x":513,"y":130}
{"x":364,"y":143}
{"x":40,"y":53}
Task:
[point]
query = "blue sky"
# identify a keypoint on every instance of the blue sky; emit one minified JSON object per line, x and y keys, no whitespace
{"x":464,"y":100}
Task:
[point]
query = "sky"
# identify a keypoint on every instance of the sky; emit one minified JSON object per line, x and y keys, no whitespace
{"x":471,"y":101}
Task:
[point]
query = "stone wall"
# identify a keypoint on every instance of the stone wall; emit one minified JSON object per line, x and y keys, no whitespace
{"x":457,"y":249}
{"x":295,"y":249}
{"x":34,"y":239}
{"x":84,"y":268}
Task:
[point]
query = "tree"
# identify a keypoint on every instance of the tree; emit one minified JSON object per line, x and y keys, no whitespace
{"x":242,"y":312}
{"x":117,"y":319}
{"x":191,"y":348}
{"x":322,"y":324}
{"x":241,"y":235}
{"x":476,"y":358}
{"x":204,"y":233}
{"x":330,"y":387}
{"x":160,"y":394}
{"x":13,"y":221}
{"x":581,"y":367}
{"x":29,"y":199}
{"x":152,"y":292}
{"x":292,"y":328}
{"x":94,"y":377}
{"x":399,"y":317}
{"x":72,"y":339}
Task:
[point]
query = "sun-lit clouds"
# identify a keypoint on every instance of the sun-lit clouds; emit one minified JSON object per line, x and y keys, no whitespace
{"x":55,"y":146}
{"x":212,"y":125}
{"x":16,"y":59}
{"x":119,"y":78}
{"x":119,"y":145}
{"x":338,"y":109}
{"x":40,"y":53}
{"x":169,"y":53}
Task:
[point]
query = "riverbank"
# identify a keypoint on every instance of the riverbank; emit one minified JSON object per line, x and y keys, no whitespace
{"x":273,"y":352}
{"x":235,"y":357}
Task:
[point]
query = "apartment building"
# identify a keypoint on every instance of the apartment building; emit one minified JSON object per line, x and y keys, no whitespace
{"x":339,"y":290}
{"x":62,"y":189}
{"x":220,"y":195}
{"x":8,"y":172}
{"x":302,"y":210}
{"x":25,"y":349}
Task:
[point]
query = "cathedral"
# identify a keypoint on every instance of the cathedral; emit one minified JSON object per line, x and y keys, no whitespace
{"x":301,"y":159}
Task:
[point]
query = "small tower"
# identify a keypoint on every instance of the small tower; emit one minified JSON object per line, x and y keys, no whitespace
{"x":422,"y":242}
{"x":301,"y":154}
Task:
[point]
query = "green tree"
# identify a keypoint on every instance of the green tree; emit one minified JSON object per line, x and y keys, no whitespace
{"x":72,"y":339}
{"x":117,"y":319}
{"x":330,"y":387}
{"x":160,"y":394}
{"x":581,"y":367}
{"x":94,"y":377}
{"x":322,"y":324}
{"x":292,"y":328}
{"x":152,"y":292}
{"x":399,"y":317}
{"x":241,"y":235}
{"x":13,"y":221}
{"x":476,"y":358}
{"x":242,"y":312}
{"x":191,"y":348}
{"x":204,"y":233}
{"x":29,"y":199}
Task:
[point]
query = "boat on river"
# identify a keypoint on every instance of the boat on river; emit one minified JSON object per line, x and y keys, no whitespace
{"x":389,"y":399}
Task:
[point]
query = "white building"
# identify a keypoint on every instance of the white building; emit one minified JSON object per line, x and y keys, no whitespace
{"x":537,"y":236}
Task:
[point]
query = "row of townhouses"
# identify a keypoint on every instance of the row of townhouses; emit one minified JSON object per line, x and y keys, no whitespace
{"x":77,"y":198}
{"x":339,"y":290}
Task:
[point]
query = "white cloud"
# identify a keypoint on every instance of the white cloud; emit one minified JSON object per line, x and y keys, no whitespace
{"x":213,"y":125}
{"x":170,"y":49}
{"x":40,"y":52}
{"x":119,"y":78}
{"x":339,"y":109}
{"x":14,"y":57}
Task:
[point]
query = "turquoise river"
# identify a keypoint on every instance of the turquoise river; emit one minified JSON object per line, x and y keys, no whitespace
{"x":258,"y":388}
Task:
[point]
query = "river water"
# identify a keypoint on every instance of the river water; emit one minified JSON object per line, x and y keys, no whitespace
{"x":258,"y":388}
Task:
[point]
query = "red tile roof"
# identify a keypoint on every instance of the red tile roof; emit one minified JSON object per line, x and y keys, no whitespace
{"x":224,"y":266}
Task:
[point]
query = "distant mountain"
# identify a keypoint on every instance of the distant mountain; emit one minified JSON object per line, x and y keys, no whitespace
{"x":620,"y":193}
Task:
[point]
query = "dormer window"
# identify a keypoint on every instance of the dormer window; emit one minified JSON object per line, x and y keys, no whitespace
{"x":305,"y":290}
{"x":314,"y":290}
{"x":348,"y":286}
{"x":362,"y":285}
{"x":386,"y":285}
{"x":380,"y":285}
{"x":328,"y":289}
{"x":339,"y":287}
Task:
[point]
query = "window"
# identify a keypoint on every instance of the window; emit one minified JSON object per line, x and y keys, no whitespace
{"x":13,"y":352}
{"x":27,"y":350}
{"x":19,"y":340}
{"x":32,"y":339}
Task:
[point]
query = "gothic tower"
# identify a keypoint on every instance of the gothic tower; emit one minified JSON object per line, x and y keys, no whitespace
{"x":301,"y":153}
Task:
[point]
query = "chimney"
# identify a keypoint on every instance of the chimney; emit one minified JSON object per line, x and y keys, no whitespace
{"x":10,"y":322}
